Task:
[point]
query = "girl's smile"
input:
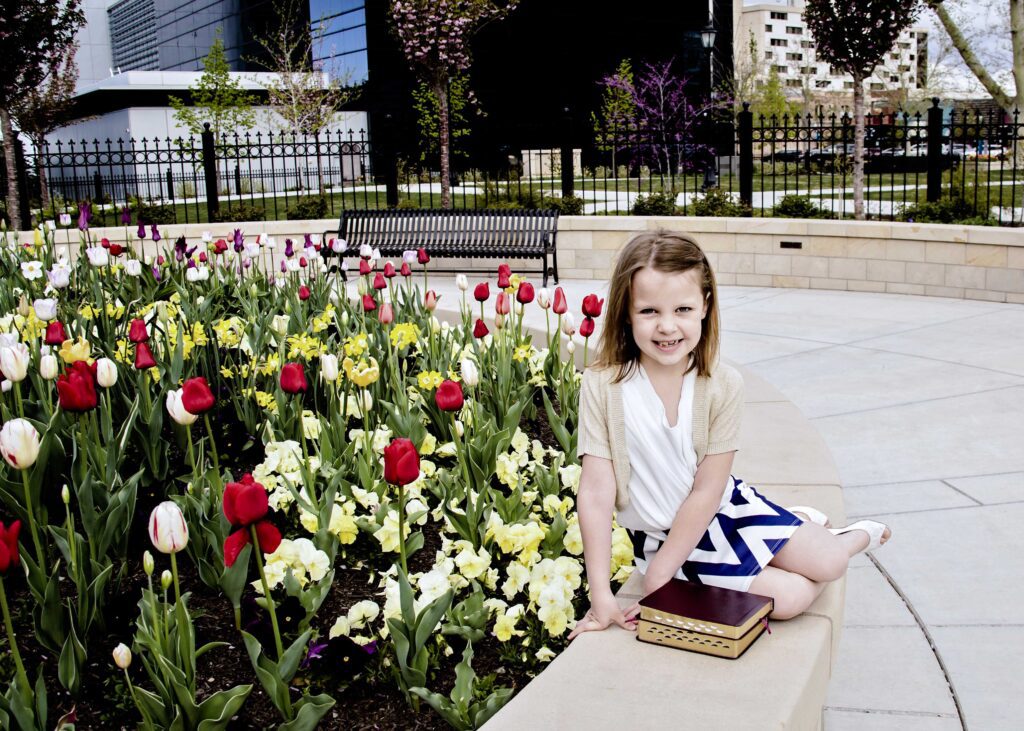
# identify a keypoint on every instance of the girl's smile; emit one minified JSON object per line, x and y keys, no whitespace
{"x":666,"y":316}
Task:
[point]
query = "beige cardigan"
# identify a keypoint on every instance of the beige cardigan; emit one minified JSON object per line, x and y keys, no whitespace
{"x":717,"y":409}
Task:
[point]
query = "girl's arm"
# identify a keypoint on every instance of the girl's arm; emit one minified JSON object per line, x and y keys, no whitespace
{"x":691,"y":520}
{"x":595,"y":502}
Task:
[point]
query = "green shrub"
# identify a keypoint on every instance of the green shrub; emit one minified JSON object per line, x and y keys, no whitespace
{"x":798,"y":206}
{"x":951,"y":208}
{"x":239,"y":212}
{"x":308,"y":208}
{"x":150,"y":213}
{"x":656,"y":204}
{"x":717,"y":202}
{"x":568,"y":206}
{"x":407,"y":203}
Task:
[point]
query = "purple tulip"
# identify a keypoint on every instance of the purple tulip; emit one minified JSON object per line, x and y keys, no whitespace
{"x":141,"y":233}
{"x":289,"y":249}
{"x":284,"y":268}
{"x":154,"y":233}
{"x":238,"y":240}
{"x":308,"y":241}
{"x":126,"y":216}
{"x":84,"y":214}
{"x":247,"y":263}
{"x":156,"y":273}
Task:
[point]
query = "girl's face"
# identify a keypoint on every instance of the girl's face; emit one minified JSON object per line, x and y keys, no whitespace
{"x":666,"y":317}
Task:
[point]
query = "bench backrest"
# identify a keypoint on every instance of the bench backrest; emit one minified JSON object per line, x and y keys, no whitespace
{"x":467,"y":232}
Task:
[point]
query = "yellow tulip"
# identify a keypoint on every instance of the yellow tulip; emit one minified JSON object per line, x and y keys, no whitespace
{"x":75,"y":350}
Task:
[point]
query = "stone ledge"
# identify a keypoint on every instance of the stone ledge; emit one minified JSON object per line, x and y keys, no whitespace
{"x":610,"y":681}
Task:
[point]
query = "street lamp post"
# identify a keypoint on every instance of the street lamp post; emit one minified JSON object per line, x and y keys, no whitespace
{"x":707,"y":39}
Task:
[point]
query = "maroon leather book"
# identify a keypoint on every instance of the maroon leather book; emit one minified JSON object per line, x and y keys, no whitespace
{"x":706,"y":609}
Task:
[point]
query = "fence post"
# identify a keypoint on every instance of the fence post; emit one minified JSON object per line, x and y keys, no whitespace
{"x":746,"y":143}
{"x":934,"y":151}
{"x":21,"y":178}
{"x":566,"y":156}
{"x":210,"y":173}
{"x":170,"y":185}
{"x":97,"y":184}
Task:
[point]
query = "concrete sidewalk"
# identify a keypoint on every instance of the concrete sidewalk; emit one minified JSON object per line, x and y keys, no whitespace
{"x":921,"y":401}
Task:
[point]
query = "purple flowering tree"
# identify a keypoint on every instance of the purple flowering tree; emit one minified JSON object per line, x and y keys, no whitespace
{"x":435,"y":36}
{"x":853,"y":37}
{"x":660,"y":122}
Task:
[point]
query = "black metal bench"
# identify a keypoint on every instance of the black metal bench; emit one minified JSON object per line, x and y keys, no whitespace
{"x":490,"y":233}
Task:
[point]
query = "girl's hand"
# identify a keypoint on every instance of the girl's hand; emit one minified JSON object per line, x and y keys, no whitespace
{"x":603,"y":612}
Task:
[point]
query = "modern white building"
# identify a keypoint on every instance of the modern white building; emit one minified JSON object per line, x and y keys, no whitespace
{"x":782,"y":42}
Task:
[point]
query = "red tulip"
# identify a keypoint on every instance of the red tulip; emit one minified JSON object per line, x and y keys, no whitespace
{"x":245,"y":501}
{"x":137,"y":332}
{"x":55,"y":334}
{"x":105,"y":242}
{"x":196,"y":396}
{"x":304,"y":293}
{"x":401,"y":462}
{"x":504,"y":272}
{"x":9,"y":554}
{"x":293,"y":378}
{"x":143,"y":357}
{"x":592,"y":306}
{"x":116,"y":249}
{"x":422,"y":256}
{"x":302,"y":262}
{"x":559,"y":306}
{"x":525,"y":294}
{"x":389,"y":270}
{"x":369,"y":303}
{"x":587,"y":327}
{"x":482,"y":292}
{"x":267,"y":534}
{"x":406,"y":270}
{"x":220,"y":246}
{"x":430,"y":300}
{"x":480,"y":329}
{"x":202,"y":256}
{"x":386,"y":316}
{"x":364,"y":267}
{"x":448,"y":396}
{"x":501,"y":305}
{"x":76,"y":388}
{"x":379,"y":281}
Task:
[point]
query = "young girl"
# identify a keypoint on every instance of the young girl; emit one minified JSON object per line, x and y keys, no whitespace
{"x":659,"y":427}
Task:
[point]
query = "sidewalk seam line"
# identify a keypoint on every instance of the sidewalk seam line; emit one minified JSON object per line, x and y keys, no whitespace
{"x":954,"y":487}
{"x":933,"y":510}
{"x":939,"y":479}
{"x":905,"y":404}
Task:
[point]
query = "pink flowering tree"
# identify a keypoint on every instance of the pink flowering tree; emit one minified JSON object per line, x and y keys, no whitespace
{"x":435,"y":36}
{"x":853,"y":37}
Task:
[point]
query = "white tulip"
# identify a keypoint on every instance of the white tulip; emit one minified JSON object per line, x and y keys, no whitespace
{"x":65,"y":219}
{"x":280,"y":324}
{"x":270,"y":243}
{"x":544,"y":298}
{"x":470,"y":373}
{"x":122,"y":656}
{"x":252,"y":250}
{"x":167,"y":528}
{"x":292,"y":265}
{"x":133,"y":268}
{"x":376,"y":254}
{"x":48,"y":367}
{"x":8,"y":339}
{"x":14,"y":360}
{"x":197,"y":274}
{"x":409,"y":256}
{"x":568,"y":324}
{"x":106,"y":372}
{"x":177,"y":410}
{"x":339,"y":246}
{"x":59,"y":276}
{"x":19,"y":443}
{"x":571,"y":347}
{"x":207,"y":237}
{"x":165,"y":579}
{"x":329,"y":367}
{"x":5,"y":385}
{"x":46,"y":309}
{"x":461,"y":282}
{"x":51,"y":225}
{"x":98,"y":256}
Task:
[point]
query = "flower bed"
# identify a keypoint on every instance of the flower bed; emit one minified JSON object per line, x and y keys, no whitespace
{"x":236,"y":494}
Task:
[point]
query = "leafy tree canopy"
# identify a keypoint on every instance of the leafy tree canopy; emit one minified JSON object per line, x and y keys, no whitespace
{"x":854,"y":36}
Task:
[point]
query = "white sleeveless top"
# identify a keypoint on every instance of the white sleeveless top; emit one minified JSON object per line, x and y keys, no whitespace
{"x":662,"y":458}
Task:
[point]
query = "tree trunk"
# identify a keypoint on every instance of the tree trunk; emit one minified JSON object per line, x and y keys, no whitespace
{"x":441,"y":92}
{"x":13,"y":205}
{"x":858,"y":147}
{"x":44,"y":188}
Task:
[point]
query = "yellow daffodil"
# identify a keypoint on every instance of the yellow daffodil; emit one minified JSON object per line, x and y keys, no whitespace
{"x":404,"y":333}
{"x":361,"y":374}
{"x":429,"y":380}
{"x":356,"y":345}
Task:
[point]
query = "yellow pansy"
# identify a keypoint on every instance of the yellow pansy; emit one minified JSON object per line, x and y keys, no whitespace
{"x":505,"y":625}
{"x":75,"y":350}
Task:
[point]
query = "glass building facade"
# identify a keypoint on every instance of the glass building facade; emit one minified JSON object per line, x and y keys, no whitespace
{"x":133,"y":44}
{"x":338,"y":28}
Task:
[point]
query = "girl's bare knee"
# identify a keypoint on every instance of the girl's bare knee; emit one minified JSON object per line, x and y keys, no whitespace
{"x":834,"y":565}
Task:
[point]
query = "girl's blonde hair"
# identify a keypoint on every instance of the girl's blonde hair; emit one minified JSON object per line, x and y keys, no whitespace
{"x":666,"y":251}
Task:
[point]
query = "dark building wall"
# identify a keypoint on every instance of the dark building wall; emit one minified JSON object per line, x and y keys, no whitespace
{"x":548,"y":56}
{"x":186,"y":30}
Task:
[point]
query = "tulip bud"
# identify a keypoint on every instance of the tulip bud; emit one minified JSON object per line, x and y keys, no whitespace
{"x":329,"y":367}
{"x":167,"y":528}
{"x":23,"y":306}
{"x":65,"y":495}
{"x":161,"y":311}
{"x":147,"y":563}
{"x":568,"y":324}
{"x":499,"y":321}
{"x":460,"y":429}
{"x":122,"y":656}
{"x":361,"y":287}
{"x":430,"y":300}
{"x":14,"y":360}
{"x":470,"y":373}
{"x":571,"y":347}
{"x":501,"y":304}
{"x":280,"y":325}
{"x":386,"y":315}
{"x":19,"y":443}
{"x":106,"y":372}
{"x":461,"y":282}
{"x":544,"y":298}
{"x":165,"y":580}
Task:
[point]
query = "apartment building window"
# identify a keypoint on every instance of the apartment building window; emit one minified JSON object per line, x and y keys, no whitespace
{"x":904,"y":68}
{"x":768,"y":28}
{"x":904,"y":45}
{"x":806,"y":44}
{"x":794,"y":30}
{"x":894,"y":56}
{"x":876,"y":86}
{"x":792,"y":82}
{"x":794,"y":57}
{"x":894,"y":79}
{"x":778,"y":16}
{"x":779,"y":42}
{"x":822,"y":83}
{"x":768,"y":55}
{"x":782,"y":69}
{"x":848,"y":85}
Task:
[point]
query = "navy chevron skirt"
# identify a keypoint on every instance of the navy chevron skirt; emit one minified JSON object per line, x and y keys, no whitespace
{"x":742,"y":539}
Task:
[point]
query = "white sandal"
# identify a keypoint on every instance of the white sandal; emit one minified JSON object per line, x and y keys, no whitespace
{"x":813,"y":515}
{"x":873,"y":528}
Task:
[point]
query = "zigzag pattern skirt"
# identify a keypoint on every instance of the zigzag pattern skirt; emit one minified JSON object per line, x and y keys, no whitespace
{"x":742,"y":539}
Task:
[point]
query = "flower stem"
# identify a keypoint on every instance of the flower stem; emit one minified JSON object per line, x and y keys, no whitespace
{"x":401,"y":527}
{"x":174,"y":572}
{"x":271,"y":608}
{"x":213,"y":453}
{"x":17,"y":399}
{"x":40,"y":555}
{"x":20,"y":667}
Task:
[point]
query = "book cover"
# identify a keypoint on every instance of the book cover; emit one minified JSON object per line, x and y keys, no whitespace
{"x":705,"y":609}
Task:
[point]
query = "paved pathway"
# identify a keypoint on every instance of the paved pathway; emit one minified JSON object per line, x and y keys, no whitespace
{"x":921,"y":401}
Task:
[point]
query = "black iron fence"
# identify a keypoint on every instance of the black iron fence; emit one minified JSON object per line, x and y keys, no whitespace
{"x":937,"y":166}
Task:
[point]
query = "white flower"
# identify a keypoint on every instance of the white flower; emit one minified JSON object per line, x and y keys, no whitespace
{"x":207,"y":237}
{"x":342,"y":626}
{"x":362,"y":613}
{"x":470,"y":373}
{"x":375,"y":255}
{"x":167,"y":528}
{"x":365,"y":251}
{"x":177,"y":410}
{"x":106,"y":372}
{"x":292,"y":265}
{"x":122,"y":656}
{"x":252,"y":249}
{"x":339,"y":246}
{"x":32,"y":269}
{"x":133,"y":268}
{"x":98,"y":256}
{"x":46,"y":309}
{"x":568,"y":324}
{"x":14,"y":360}
{"x":544,"y":298}
{"x":329,"y":367}
{"x":197,"y":274}
{"x":461,"y":282}
{"x":545,"y":655}
{"x":60,"y":275}
{"x":279,"y":324}
{"x":65,"y":219}
{"x":48,"y":367}
{"x":19,"y":443}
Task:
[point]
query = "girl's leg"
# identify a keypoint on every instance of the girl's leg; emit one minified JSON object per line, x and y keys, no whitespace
{"x":792,"y":592}
{"x":812,"y":551}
